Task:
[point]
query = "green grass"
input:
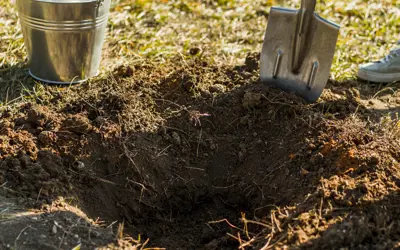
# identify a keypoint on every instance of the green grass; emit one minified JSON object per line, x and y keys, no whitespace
{"x":224,"y":30}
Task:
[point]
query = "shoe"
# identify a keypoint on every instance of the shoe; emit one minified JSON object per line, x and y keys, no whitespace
{"x":386,"y":70}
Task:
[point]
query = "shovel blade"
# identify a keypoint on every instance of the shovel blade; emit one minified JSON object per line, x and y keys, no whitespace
{"x":277,"y":58}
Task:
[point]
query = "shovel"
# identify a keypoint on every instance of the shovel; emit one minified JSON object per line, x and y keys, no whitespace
{"x":298,"y":50}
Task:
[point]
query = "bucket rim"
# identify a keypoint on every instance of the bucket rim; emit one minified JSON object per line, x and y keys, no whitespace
{"x":73,"y":82}
{"x":65,"y":1}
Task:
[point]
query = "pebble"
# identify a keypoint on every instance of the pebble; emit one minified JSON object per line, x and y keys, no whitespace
{"x":80,"y":165}
{"x":99,"y":121}
{"x":47,"y":137}
{"x":176,"y":139}
{"x":217,"y":88}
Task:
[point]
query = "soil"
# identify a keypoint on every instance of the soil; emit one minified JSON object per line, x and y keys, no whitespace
{"x":191,"y":155}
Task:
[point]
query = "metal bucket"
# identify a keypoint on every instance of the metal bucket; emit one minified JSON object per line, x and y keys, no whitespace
{"x":63,"y":38}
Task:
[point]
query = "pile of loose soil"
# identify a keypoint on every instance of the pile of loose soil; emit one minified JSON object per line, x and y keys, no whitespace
{"x":192,"y":155}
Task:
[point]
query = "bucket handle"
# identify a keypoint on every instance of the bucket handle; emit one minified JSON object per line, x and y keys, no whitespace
{"x":98,"y":3}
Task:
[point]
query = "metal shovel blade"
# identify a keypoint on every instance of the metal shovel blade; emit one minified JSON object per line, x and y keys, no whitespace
{"x":297,"y":52}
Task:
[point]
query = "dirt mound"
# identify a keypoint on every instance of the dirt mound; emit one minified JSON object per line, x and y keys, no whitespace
{"x":191,"y":151}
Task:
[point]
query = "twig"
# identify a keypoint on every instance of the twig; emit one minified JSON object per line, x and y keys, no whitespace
{"x":144,"y":244}
{"x":176,"y":129}
{"x":198,"y":143}
{"x":227,"y":222}
{"x":276,"y":242}
{"x":272,"y":102}
{"x":19,"y":235}
{"x":240,"y":240}
{"x":62,"y":239}
{"x":246,"y":229}
{"x":272,"y":171}
{"x":224,"y":187}
{"x":248,"y":243}
{"x":40,"y":191}
{"x":200,"y":169}
{"x":112,"y":223}
{"x":276,"y":222}
{"x":320,"y":207}
{"x":162,"y":151}
{"x":127,"y":154}
{"x":139,"y":184}
{"x":382,"y":90}
{"x":256,"y":223}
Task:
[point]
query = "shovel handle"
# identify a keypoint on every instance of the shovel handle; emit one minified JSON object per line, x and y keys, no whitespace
{"x":308,"y":5}
{"x":305,"y":18}
{"x":307,"y":10}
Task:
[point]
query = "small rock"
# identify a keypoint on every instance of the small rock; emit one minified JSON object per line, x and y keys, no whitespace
{"x":241,"y":156}
{"x":25,"y":160}
{"x":194,"y":51}
{"x":37,"y":117}
{"x":79,"y":165}
{"x":304,"y":172}
{"x":244,"y":120}
{"x":217,"y":88}
{"x":99,"y":121}
{"x":42,"y":236}
{"x":47,"y":137}
{"x":301,"y":236}
{"x":5,"y":125}
{"x":45,"y":192}
{"x":79,"y":124}
{"x":252,"y":61}
{"x":251,"y":100}
{"x":176,"y":139}
{"x":255,"y":134}
{"x":205,"y":93}
{"x":311,"y":146}
{"x":95,"y":234}
{"x":54,"y":229}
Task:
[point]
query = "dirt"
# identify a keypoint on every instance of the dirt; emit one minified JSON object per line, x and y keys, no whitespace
{"x":192,"y":155}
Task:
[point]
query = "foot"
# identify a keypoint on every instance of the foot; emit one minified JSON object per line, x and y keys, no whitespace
{"x":386,"y":70}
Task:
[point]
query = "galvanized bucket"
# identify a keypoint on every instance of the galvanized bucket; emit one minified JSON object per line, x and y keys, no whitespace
{"x":63,"y":38}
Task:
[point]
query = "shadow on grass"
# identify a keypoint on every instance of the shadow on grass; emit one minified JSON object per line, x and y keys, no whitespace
{"x":15,"y":82}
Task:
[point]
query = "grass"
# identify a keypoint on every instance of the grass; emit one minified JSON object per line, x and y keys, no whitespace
{"x":224,"y":31}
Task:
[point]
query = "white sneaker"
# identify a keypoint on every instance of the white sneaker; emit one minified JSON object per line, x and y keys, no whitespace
{"x":386,"y":70}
